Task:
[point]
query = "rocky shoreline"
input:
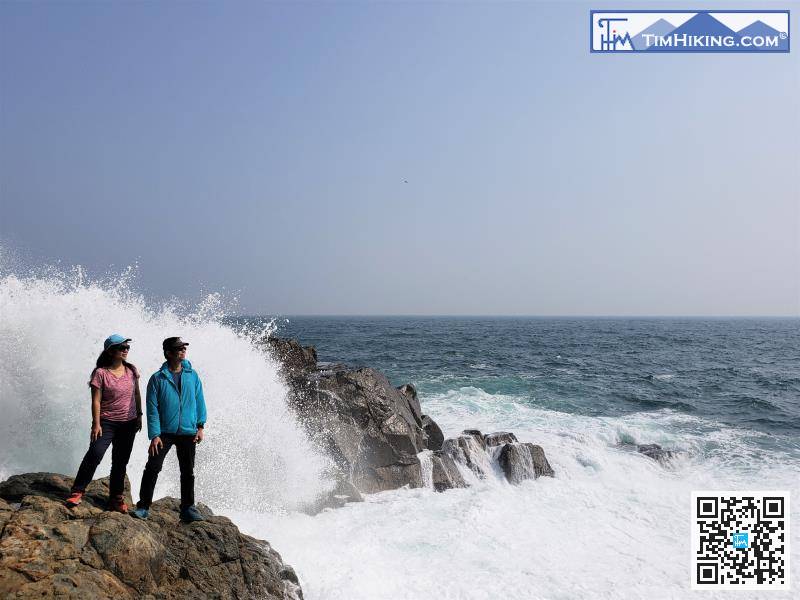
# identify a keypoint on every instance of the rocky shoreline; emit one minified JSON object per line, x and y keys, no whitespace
{"x":376,"y":434}
{"x":379,"y":437}
{"x":48,"y":550}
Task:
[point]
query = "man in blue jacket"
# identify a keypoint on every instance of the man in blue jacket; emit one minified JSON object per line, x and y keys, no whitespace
{"x":176,"y":415}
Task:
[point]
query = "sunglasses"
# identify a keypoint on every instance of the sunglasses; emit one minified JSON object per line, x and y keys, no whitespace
{"x":179,"y":349}
{"x":121,"y":348}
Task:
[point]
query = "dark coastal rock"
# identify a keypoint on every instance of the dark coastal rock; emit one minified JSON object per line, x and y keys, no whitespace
{"x":445,"y":472}
{"x":48,"y":550}
{"x":389,"y":477}
{"x":374,"y":431}
{"x":524,"y":461}
{"x":365,"y":424}
{"x":343,"y":493}
{"x":470,"y":451}
{"x":433,"y":438}
{"x":499,"y":438}
{"x":475,"y":433}
{"x":410,"y":392}
{"x":329,"y":368}
{"x":655,"y":452}
{"x":296,"y":359}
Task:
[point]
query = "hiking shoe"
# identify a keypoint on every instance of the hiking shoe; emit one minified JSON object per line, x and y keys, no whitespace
{"x":190,"y":514}
{"x":139,"y":513}
{"x":74,"y":499}
{"x":117,"y":504}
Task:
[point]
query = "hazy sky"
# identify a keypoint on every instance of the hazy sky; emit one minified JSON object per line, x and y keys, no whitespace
{"x":264,"y":149}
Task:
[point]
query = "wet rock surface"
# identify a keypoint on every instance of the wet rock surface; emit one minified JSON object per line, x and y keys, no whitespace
{"x":433,"y":436}
{"x":295,"y":359}
{"x":521,"y":461}
{"x":374,"y":431}
{"x":371,"y":429}
{"x":446,"y":475}
{"x":499,"y":438}
{"x":469,"y":449}
{"x":48,"y":550}
{"x":341,"y":494}
{"x":410,"y":393}
{"x":656,"y":452}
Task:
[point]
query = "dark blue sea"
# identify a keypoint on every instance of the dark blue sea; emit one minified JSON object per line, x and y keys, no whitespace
{"x":740,"y":372}
{"x":722,"y":394}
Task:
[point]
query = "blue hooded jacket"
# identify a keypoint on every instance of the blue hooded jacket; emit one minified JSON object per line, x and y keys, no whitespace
{"x":169,"y":413}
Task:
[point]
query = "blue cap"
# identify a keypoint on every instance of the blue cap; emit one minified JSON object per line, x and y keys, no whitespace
{"x":114,"y":340}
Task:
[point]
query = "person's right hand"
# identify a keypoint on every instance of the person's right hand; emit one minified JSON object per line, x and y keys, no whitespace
{"x":155,"y":445}
{"x":97,"y":432}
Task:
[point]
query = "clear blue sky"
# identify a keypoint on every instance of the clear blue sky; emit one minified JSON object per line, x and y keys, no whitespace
{"x":264,"y":148}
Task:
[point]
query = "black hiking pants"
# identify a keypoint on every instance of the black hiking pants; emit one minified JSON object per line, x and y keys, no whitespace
{"x":185,"y":447}
{"x":120,"y":434}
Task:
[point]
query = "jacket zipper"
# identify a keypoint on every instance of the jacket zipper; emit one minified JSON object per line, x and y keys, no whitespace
{"x":180,"y":403}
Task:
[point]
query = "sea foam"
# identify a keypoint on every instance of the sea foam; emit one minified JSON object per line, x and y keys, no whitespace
{"x":612,"y":523}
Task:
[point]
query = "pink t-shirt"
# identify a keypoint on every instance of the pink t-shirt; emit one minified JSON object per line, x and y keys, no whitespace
{"x":117,"y":402}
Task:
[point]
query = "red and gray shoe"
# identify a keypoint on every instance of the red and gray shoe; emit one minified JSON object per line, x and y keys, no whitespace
{"x":117,"y":504}
{"x":74,"y":498}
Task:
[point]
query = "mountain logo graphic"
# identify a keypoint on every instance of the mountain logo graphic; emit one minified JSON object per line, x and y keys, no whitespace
{"x":609,"y":38}
{"x":665,"y":31}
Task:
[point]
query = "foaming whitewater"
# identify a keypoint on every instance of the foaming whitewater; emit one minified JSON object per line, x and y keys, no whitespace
{"x":52,"y":325}
{"x":611,"y":524}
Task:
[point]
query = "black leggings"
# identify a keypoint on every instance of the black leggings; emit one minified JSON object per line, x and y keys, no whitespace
{"x":120,"y":434}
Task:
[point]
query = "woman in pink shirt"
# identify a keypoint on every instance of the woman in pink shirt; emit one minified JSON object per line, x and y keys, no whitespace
{"x":116,"y":417}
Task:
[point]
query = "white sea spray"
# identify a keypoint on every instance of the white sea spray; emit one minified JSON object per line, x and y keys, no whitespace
{"x":52,"y":325}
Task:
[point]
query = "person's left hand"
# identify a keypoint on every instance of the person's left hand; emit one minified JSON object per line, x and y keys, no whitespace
{"x":138,"y":423}
{"x":198,"y":437}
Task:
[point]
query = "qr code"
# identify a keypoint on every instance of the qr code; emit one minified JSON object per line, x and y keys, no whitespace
{"x":740,"y":540}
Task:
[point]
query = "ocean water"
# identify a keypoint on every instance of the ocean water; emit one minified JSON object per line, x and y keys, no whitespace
{"x":611,"y":524}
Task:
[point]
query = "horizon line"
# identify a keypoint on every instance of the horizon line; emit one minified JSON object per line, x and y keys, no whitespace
{"x":511,"y":316}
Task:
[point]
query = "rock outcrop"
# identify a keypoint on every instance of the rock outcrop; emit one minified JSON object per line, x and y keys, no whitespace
{"x":372,"y":430}
{"x":524,"y":461}
{"x":296,"y":360}
{"x":499,"y":438}
{"x":662,"y":456}
{"x":410,"y":393}
{"x":445,"y":473}
{"x":48,"y":550}
{"x":433,"y":436}
{"x":481,"y":455}
{"x":368,"y":427}
{"x":375,"y":432}
{"x":656,"y":452}
{"x":469,"y":450}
